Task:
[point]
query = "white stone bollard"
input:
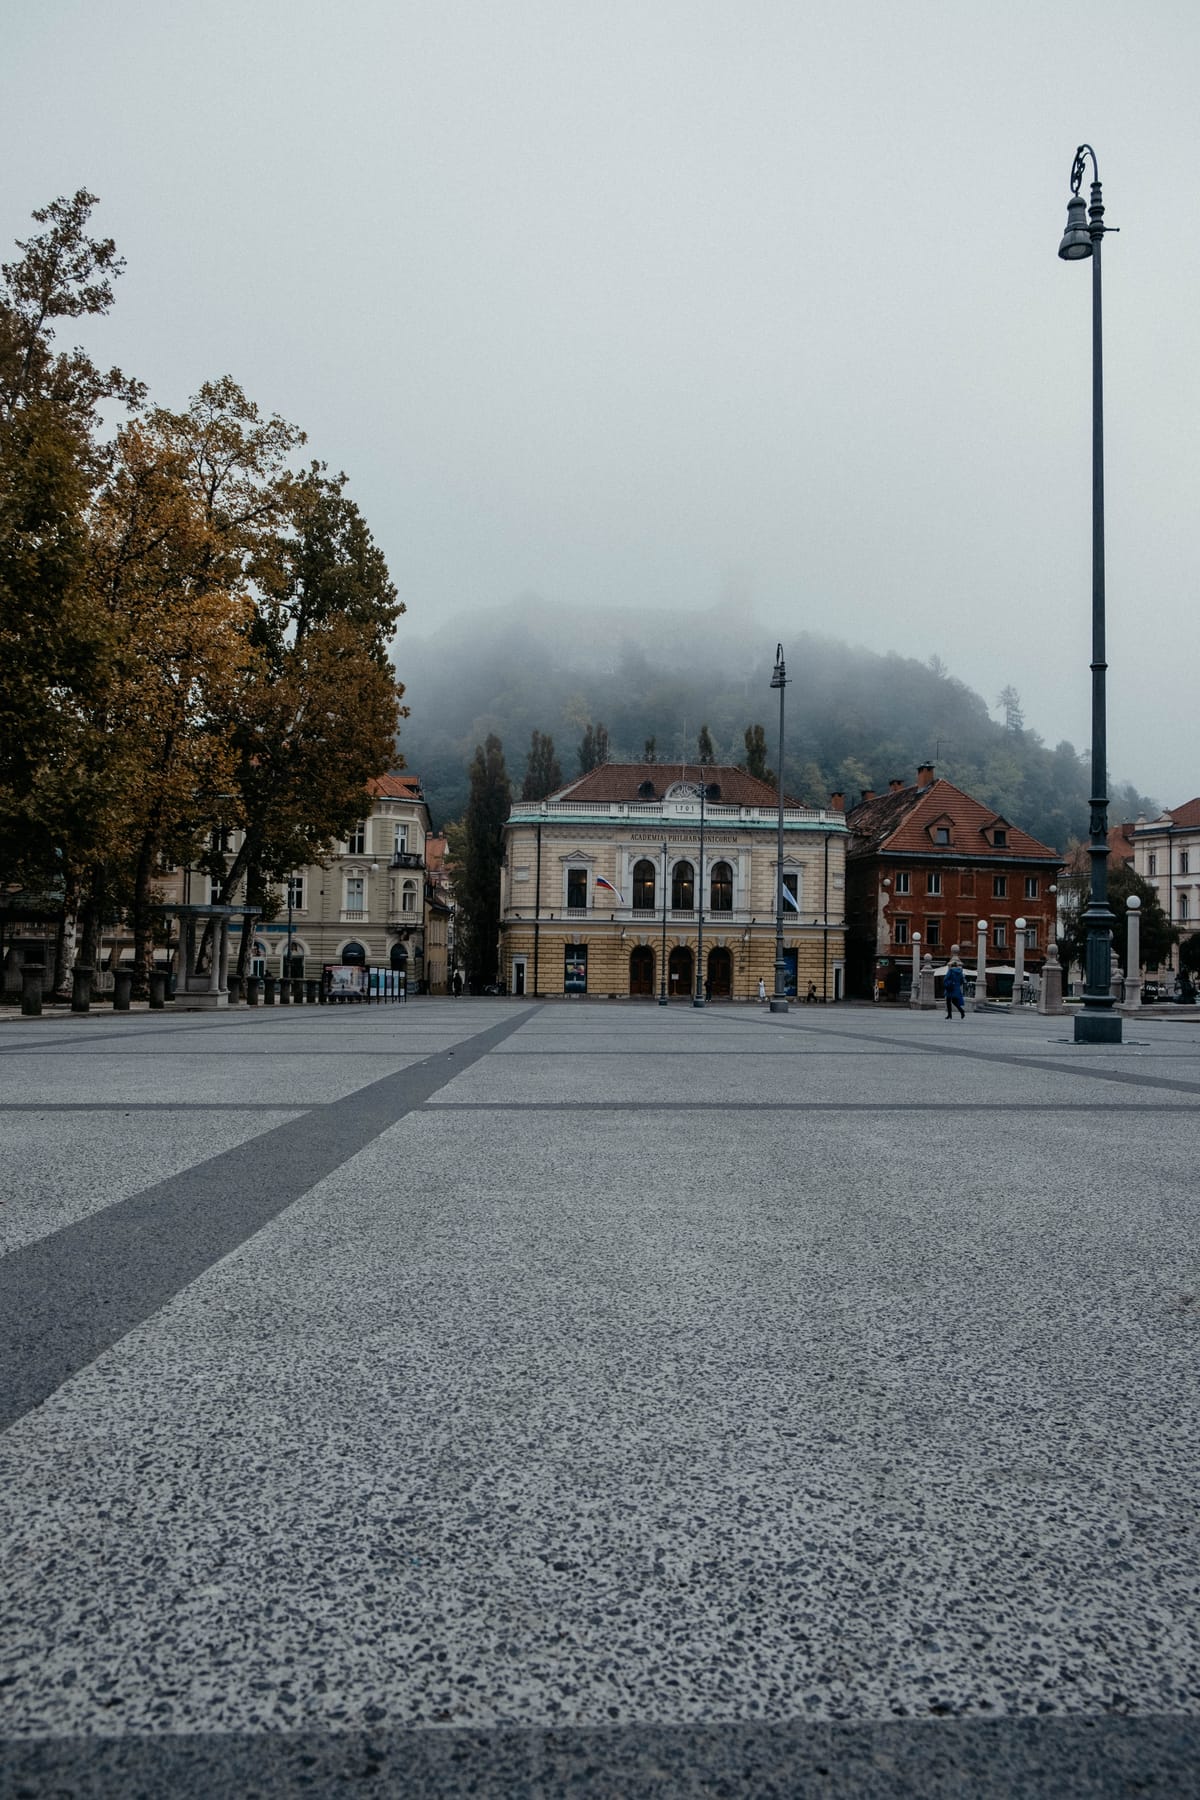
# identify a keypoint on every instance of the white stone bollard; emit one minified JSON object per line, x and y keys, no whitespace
{"x":981,"y":967}
{"x":914,"y":992}
{"x":1050,"y":998}
{"x":1133,"y":955}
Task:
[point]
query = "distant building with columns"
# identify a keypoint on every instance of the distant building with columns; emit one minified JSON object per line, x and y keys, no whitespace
{"x":604,"y":892}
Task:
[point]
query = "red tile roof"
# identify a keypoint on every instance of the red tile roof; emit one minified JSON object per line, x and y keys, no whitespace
{"x":395,"y":787}
{"x":1186,"y":816}
{"x":612,"y":783}
{"x":903,"y":821}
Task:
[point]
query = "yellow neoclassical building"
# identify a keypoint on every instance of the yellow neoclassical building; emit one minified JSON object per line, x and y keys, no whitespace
{"x":608,"y":891}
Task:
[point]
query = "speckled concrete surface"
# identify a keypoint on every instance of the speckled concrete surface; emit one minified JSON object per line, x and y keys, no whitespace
{"x":655,"y":1422}
{"x":74,"y":1163}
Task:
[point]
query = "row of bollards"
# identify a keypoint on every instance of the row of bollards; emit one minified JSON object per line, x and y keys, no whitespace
{"x":288,"y":990}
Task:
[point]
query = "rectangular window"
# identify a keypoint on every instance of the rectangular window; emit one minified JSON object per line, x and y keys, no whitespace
{"x":295,"y":892}
{"x":966,"y":884}
{"x":216,"y":895}
{"x":577,"y":889}
{"x":575,"y":969}
{"x":1183,"y":907}
{"x":999,"y":887}
{"x":355,"y":897}
{"x":933,"y":882}
{"x":1031,"y":937}
{"x":1000,"y":838}
{"x":401,"y":844}
{"x":220,"y":838}
{"x":933,"y":931}
{"x":1152,"y":863}
{"x":999,"y":935}
{"x":1031,"y":887}
{"x":903,"y":880}
{"x":791,"y":891}
{"x":356,"y":843}
{"x":941,"y":834}
{"x":1183,"y":862}
{"x":966,"y":932}
{"x":900,"y":931}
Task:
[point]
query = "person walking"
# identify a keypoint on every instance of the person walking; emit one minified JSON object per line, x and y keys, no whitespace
{"x":953,"y":988}
{"x":762,"y":991}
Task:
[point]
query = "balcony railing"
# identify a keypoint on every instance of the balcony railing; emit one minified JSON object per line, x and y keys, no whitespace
{"x":354,"y":915}
{"x":405,"y":859}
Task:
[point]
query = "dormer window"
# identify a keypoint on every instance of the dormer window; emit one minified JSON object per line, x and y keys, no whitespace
{"x":645,"y":790}
{"x":941,"y":834}
{"x":1000,"y":838}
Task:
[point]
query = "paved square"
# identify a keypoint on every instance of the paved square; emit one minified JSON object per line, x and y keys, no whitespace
{"x":500,"y":1398}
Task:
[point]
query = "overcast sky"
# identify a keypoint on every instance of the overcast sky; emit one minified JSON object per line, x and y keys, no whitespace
{"x":676,"y":302}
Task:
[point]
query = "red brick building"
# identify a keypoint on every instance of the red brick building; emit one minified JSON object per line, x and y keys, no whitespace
{"x":929,"y":859}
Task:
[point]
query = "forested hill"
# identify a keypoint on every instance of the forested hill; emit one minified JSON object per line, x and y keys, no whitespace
{"x":854,"y":719}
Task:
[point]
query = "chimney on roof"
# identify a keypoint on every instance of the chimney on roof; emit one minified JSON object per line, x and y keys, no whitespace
{"x":837,"y":801}
{"x":868,"y":794}
{"x":925,"y":775}
{"x":894,"y":785}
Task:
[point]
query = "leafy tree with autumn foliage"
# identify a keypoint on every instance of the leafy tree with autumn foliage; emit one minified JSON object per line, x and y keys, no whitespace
{"x":192,"y":632}
{"x":53,"y":646}
{"x":318,"y":716}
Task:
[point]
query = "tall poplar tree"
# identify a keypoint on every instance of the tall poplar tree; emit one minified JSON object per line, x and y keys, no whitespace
{"x":542,"y":772}
{"x":477,"y":881}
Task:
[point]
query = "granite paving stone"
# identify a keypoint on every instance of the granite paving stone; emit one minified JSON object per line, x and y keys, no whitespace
{"x":532,"y":1447}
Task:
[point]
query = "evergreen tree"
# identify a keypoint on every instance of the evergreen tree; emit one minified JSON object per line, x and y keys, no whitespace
{"x":477,"y":882}
{"x":1010,"y":701}
{"x":705,"y":753}
{"x":755,"y":740}
{"x":593,"y":748}
{"x":650,"y":750}
{"x":542,"y":772}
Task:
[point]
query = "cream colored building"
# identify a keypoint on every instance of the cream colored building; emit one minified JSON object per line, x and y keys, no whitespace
{"x":368,"y":905}
{"x":604,"y":890}
{"x":1166,"y":853}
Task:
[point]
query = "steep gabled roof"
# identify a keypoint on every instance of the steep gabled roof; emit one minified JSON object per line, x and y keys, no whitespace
{"x":614,"y":783}
{"x":902,"y":822}
{"x":1187,"y":816}
{"x":395,"y":787}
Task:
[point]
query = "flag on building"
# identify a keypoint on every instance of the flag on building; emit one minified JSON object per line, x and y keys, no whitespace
{"x":790,"y":898}
{"x":602,"y":881}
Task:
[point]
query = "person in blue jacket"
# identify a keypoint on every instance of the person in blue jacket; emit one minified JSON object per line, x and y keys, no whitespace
{"x":952,"y":985}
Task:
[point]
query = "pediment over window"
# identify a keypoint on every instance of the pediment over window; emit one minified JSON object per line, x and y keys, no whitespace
{"x":577,"y":857}
{"x":998,"y":832}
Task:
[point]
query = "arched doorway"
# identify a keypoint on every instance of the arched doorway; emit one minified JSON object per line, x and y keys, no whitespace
{"x":399,"y":957}
{"x":720,"y":974}
{"x":354,"y":954}
{"x":679,"y":973}
{"x":641,"y":970}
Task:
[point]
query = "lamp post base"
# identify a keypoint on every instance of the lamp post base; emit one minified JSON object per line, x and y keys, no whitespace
{"x":778,"y":1005}
{"x":1097,"y":1028}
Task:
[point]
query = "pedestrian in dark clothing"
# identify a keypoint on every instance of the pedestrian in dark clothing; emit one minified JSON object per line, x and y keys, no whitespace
{"x":953,"y":988}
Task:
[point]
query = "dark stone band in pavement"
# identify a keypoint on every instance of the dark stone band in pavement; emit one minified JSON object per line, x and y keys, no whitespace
{"x":1061,"y":1758}
{"x":66,"y":1298}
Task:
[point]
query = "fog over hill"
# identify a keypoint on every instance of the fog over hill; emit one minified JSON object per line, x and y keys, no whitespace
{"x":855,"y":718}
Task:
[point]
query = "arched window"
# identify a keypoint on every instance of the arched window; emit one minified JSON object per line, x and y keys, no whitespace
{"x":721,"y":888}
{"x":683,"y":887}
{"x":643,"y":886}
{"x":353,"y":953}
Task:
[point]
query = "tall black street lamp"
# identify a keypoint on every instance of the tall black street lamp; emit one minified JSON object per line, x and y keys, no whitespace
{"x":779,"y":997}
{"x":1096,"y":1023}
{"x":662,"y":961}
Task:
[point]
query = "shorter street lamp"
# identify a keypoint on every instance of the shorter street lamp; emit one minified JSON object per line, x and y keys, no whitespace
{"x":662,"y":961}
{"x":698,"y":998}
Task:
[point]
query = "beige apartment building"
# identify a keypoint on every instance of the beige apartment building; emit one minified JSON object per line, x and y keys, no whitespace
{"x":1166,"y":853}
{"x":630,"y":881}
{"x":370,"y":905}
